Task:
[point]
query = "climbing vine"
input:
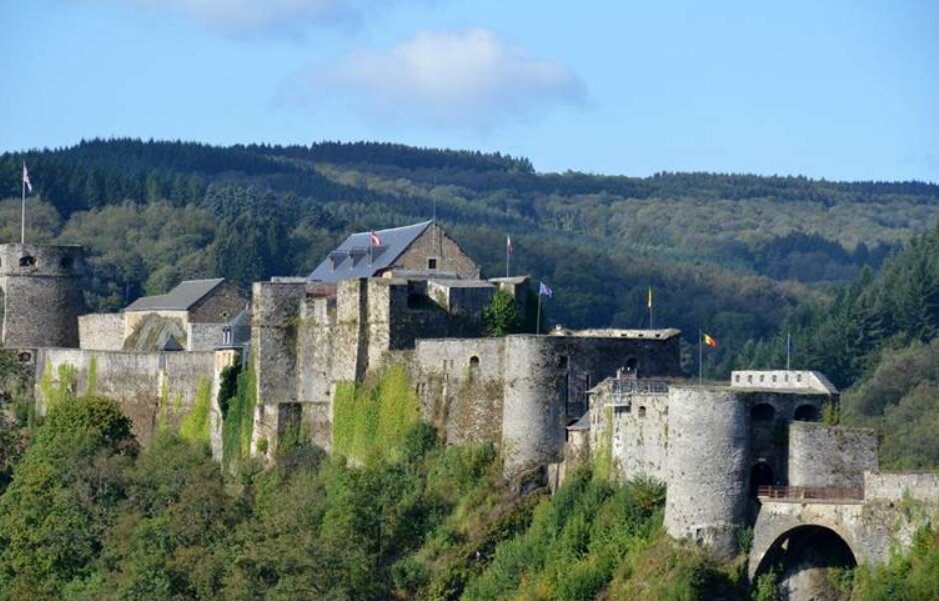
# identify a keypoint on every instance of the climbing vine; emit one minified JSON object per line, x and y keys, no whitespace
{"x":238,"y":416}
{"x":372,"y":418}
{"x":194,"y":427}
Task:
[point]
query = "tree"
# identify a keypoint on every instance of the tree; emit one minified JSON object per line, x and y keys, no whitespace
{"x":501,"y":317}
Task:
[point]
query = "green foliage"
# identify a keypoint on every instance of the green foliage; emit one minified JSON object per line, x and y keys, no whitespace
{"x":575,"y":543}
{"x":194,"y":427}
{"x":501,"y":316}
{"x":63,"y":498}
{"x":60,"y":388}
{"x":372,"y":419}
{"x":765,"y":588}
{"x":238,"y":418}
{"x":913,"y":577}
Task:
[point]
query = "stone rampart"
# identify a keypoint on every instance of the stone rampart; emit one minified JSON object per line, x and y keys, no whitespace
{"x":825,"y":456}
{"x":152,"y":388}
{"x":101,"y":331}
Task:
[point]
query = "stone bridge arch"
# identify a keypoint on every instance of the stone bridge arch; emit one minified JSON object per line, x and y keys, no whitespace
{"x":782,"y":521}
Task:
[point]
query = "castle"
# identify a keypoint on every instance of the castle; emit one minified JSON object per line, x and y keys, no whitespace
{"x":752,"y":453}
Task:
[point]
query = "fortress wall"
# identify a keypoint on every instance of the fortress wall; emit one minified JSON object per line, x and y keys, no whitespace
{"x":708,"y":461}
{"x":824,"y":456}
{"x":204,"y":336}
{"x":886,"y":486}
{"x":461,"y":397}
{"x":546,"y":379}
{"x":40,"y":299}
{"x":640,"y":437}
{"x":150,"y":387}
{"x":315,"y":351}
{"x":101,"y":331}
{"x":274,"y":331}
{"x":349,"y":358}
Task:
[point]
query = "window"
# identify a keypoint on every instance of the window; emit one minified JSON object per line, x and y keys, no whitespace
{"x":431,"y":263}
{"x":27,"y":261}
{"x":67,"y":262}
{"x":562,"y":361}
{"x":642,"y":411}
{"x":632,"y":364}
{"x":474,"y":362}
{"x":762,"y":412}
{"x":807,"y":413}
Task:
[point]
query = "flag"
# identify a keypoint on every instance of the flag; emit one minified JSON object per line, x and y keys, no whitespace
{"x":709,"y":340}
{"x":508,"y":244}
{"x":26,"y":182}
{"x":543,"y":290}
{"x":373,"y":238}
{"x":649,"y":299}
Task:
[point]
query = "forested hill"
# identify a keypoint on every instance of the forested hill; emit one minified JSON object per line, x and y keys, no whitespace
{"x":729,"y":253}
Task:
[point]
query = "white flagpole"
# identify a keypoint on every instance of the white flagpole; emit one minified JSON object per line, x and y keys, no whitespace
{"x":538,"y":318}
{"x":507,"y":257}
{"x":788,"y":349}
{"x":23,"y":207}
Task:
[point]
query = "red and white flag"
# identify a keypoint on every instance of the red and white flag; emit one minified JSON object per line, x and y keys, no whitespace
{"x":374,"y":239}
{"x":26,"y":182}
{"x":508,"y":243}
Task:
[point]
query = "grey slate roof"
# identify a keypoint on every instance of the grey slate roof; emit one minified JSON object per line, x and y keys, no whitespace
{"x":351,"y":258}
{"x":180,"y":298}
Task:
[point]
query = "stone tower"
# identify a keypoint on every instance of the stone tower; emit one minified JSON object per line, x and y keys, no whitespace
{"x":40,"y":295}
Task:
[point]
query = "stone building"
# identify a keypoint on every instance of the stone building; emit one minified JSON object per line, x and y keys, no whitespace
{"x":419,"y":248}
{"x":192,"y":317}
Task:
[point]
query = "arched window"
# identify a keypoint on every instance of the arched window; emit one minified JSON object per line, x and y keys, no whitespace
{"x":762,"y":412}
{"x":761,"y":475}
{"x":642,"y":411}
{"x":632,"y":364}
{"x":474,"y":362}
{"x":807,"y":413}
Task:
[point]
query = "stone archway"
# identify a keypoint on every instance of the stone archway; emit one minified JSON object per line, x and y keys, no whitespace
{"x":805,"y":561}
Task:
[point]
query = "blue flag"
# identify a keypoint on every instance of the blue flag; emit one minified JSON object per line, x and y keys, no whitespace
{"x":543,"y":290}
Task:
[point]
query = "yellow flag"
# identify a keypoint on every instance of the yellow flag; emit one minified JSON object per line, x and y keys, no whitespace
{"x":649,"y":301}
{"x":710,"y":341}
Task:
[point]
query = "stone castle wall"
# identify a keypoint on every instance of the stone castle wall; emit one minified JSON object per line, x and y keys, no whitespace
{"x":824,"y":456}
{"x":101,"y":331}
{"x":149,"y":387}
{"x":40,"y":295}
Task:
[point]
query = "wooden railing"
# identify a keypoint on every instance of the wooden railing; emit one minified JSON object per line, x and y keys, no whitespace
{"x":809,"y":493}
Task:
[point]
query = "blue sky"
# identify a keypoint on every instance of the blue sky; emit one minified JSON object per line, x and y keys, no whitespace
{"x":834,"y":89}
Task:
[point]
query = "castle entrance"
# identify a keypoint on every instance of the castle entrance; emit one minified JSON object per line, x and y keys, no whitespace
{"x":808,"y":562}
{"x":761,"y":475}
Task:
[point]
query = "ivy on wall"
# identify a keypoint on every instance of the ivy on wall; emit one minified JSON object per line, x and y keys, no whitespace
{"x":194,"y":427}
{"x":237,"y":413}
{"x":371,"y":419}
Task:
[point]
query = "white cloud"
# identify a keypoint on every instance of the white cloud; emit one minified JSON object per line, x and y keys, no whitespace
{"x":455,"y":79}
{"x":260,"y":16}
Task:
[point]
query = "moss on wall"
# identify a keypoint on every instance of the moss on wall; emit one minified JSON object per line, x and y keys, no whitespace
{"x":59,"y":388}
{"x":603,"y":458}
{"x":370,"y":420}
{"x":92,"y":388}
{"x":238,"y":418}
{"x":195,"y":425}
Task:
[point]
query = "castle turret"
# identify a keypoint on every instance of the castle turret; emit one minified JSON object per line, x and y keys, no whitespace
{"x":708,"y":453}
{"x":40,"y":295}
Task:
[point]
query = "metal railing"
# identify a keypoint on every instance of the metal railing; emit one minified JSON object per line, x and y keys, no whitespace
{"x":627,"y":386}
{"x":809,"y":493}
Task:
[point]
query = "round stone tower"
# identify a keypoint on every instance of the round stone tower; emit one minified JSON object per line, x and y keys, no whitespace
{"x":40,"y":295}
{"x":708,"y":450}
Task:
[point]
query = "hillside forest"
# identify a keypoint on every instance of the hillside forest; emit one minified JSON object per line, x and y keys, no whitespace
{"x":849,"y":270}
